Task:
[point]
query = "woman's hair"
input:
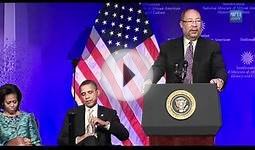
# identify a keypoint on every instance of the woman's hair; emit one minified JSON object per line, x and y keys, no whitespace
{"x":7,"y":89}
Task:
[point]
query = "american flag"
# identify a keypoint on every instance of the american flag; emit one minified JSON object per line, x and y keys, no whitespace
{"x":118,"y":26}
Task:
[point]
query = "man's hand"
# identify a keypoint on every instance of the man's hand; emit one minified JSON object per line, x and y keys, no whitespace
{"x":218,"y":82}
{"x":80,"y":138}
{"x":19,"y":141}
{"x":99,"y":122}
{"x":27,"y":141}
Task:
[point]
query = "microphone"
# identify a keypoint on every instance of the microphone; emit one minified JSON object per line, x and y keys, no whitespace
{"x":184,"y":69}
{"x":176,"y":68}
{"x":71,"y":126}
{"x":185,"y":66}
{"x":178,"y":72}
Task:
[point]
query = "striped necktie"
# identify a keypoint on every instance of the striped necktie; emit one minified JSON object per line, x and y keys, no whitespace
{"x":90,"y":127}
{"x":189,"y":58}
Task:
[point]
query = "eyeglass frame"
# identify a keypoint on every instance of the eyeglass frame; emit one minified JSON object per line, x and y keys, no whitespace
{"x":192,"y":21}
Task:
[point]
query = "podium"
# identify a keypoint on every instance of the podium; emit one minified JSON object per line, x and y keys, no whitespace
{"x":198,"y":129}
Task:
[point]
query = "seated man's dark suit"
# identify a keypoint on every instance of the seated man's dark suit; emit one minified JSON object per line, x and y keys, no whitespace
{"x":103,"y":135}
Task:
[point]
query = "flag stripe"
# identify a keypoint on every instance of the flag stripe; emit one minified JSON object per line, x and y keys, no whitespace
{"x":136,"y":91}
{"x":152,"y":48}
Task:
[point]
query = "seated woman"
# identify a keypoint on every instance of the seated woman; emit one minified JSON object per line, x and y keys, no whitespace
{"x":17,"y":128}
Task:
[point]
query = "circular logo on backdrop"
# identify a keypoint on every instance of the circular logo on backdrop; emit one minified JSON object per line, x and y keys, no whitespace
{"x":123,"y":74}
{"x":247,"y":58}
{"x":180,"y":104}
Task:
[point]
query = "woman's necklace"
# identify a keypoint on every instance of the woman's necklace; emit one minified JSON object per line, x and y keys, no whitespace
{"x":13,"y":120}
{"x":11,"y":115}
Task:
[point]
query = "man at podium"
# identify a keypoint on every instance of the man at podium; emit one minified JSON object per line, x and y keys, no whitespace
{"x":186,"y":114}
{"x":190,"y":58}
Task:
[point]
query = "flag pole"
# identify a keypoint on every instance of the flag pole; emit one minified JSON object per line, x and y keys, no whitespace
{"x":74,"y":64}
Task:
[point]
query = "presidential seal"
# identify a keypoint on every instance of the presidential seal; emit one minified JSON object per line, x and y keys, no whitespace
{"x":180,"y":104}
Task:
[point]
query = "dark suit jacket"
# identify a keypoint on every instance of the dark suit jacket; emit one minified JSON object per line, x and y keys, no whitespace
{"x":103,"y":135}
{"x":207,"y":63}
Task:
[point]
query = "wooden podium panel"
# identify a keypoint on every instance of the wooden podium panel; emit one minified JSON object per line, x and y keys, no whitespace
{"x":161,"y":140}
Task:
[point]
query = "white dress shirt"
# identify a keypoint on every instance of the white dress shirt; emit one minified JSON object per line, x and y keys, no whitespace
{"x":186,"y":45}
{"x":94,"y":110}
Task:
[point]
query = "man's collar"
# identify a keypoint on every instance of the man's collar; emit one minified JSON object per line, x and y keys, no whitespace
{"x":94,"y":107}
{"x":186,"y":41}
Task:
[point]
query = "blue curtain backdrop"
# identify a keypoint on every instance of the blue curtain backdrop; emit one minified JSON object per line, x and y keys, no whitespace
{"x":47,"y":36}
